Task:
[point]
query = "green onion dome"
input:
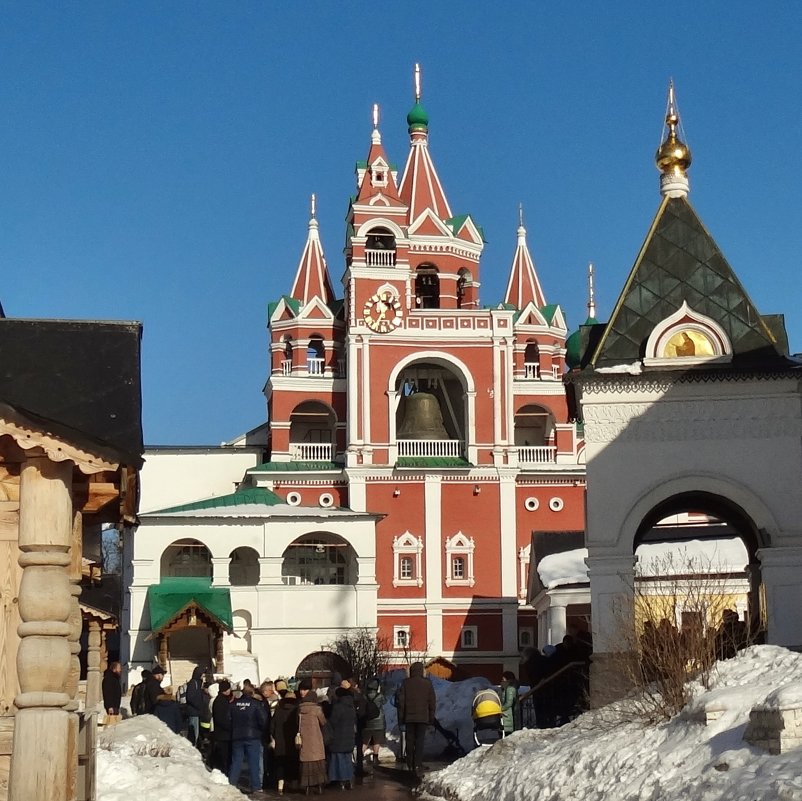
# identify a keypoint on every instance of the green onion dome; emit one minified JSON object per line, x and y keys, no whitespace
{"x":573,"y":345}
{"x":417,"y":117}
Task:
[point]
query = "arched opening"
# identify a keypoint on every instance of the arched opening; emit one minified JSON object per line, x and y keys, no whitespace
{"x":534,"y":435}
{"x":427,"y":287}
{"x":697,"y":574}
{"x":319,"y":559}
{"x":431,"y":416}
{"x":315,"y":355}
{"x":242,"y":624}
{"x":312,"y":427}
{"x":243,"y":568}
{"x":186,"y":558}
{"x":464,"y":279}
{"x":321,"y":666}
{"x":380,"y":248}
{"x":286,"y":361}
{"x":532,"y":360}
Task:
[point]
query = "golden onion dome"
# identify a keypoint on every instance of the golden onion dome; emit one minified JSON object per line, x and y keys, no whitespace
{"x":673,"y":156}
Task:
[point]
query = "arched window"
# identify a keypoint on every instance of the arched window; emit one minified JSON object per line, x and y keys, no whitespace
{"x":407,"y":566}
{"x":532,"y":361}
{"x":312,"y":427}
{"x":315,"y":355}
{"x":380,"y":248}
{"x":459,"y":560}
{"x":427,"y":287}
{"x":319,"y":559}
{"x":534,"y":435}
{"x":243,"y":569}
{"x":286,"y":364}
{"x":464,"y":278}
{"x":186,"y":558}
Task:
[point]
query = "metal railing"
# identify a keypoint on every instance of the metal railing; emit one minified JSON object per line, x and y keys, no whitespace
{"x":526,"y":702}
{"x":312,"y":451}
{"x":286,"y":367}
{"x":537,"y":454}
{"x":429,"y":447}
{"x":379,"y":258}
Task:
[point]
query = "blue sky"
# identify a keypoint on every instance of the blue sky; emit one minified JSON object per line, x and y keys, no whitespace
{"x":156,"y":159}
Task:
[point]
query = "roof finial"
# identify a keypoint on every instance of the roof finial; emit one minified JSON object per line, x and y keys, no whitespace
{"x":521,"y":215}
{"x":313,"y":206}
{"x":417,"y":83}
{"x":521,"y":229}
{"x":591,"y":294}
{"x":673,"y":157}
{"x":375,"y":137}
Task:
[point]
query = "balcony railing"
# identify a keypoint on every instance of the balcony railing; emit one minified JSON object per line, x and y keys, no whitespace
{"x":380,"y":258}
{"x":429,"y":447}
{"x":315,"y":366}
{"x":311,"y":451}
{"x":537,"y":454}
{"x":286,"y":367}
{"x":531,"y":369}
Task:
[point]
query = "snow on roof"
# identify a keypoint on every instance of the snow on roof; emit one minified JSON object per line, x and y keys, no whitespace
{"x":726,"y":555}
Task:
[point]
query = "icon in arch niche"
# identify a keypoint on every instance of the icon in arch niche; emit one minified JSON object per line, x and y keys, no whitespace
{"x":688,"y":337}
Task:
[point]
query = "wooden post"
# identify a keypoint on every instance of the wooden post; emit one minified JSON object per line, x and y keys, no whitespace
{"x":219,"y":667}
{"x":40,"y":755}
{"x":163,"y":651}
{"x":104,"y":651}
{"x":93,"y":666}
{"x":76,"y":554}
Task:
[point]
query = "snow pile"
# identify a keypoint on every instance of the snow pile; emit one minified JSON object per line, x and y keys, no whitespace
{"x":142,"y":758}
{"x":600,"y":757}
{"x":454,"y":701}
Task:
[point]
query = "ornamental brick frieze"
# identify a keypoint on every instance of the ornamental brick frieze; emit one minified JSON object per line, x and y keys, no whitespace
{"x":621,"y":384}
{"x":692,"y":420}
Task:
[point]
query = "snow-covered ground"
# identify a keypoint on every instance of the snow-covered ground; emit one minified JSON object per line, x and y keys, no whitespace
{"x":141,"y":758}
{"x":601,"y":757}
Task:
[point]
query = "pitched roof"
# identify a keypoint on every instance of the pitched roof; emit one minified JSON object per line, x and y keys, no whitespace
{"x":680,"y":262}
{"x":81,"y":379}
{"x":523,"y":286}
{"x":312,"y":276}
{"x":172,"y":596}
{"x":247,"y":496}
{"x":420,"y":186}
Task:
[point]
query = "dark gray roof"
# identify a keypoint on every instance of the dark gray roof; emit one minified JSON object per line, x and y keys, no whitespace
{"x":79,"y":379}
{"x":680,"y":262}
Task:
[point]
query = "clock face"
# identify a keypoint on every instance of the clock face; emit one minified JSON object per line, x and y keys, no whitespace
{"x":382,"y":312}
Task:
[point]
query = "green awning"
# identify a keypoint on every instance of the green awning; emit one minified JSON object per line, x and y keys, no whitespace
{"x":172,"y":596}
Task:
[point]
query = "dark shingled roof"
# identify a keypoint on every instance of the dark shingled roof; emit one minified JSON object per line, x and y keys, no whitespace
{"x":680,"y":261}
{"x":79,"y":379}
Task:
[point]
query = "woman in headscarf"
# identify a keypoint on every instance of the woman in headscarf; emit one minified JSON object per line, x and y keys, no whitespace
{"x":283,"y":728}
{"x":312,"y":752}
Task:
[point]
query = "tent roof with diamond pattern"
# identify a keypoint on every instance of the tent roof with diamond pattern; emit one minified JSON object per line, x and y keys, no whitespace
{"x":680,"y":261}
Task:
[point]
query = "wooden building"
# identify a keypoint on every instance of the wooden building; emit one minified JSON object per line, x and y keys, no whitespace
{"x":70,"y":452}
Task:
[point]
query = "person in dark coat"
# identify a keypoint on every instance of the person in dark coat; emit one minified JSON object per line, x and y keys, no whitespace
{"x":283,"y":728}
{"x":138,"y":699}
{"x":342,"y":720}
{"x":161,"y":703}
{"x":373,"y":729}
{"x":197,"y":703}
{"x":112,"y":689}
{"x":249,"y":719}
{"x":416,"y":710}
{"x":221,"y":728}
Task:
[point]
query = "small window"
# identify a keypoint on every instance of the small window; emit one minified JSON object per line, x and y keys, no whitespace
{"x":459,"y":560}
{"x":526,"y":637}
{"x":458,"y":567}
{"x":469,"y":637}
{"x":407,"y":568}
{"x":401,"y":636}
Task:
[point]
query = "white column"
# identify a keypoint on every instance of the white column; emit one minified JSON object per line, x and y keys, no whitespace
{"x":556,"y":626}
{"x":780,"y":569}
{"x":365,"y":390}
{"x":433,"y":553}
{"x":611,"y":588}
{"x":497,"y":393}
{"x":220,"y":571}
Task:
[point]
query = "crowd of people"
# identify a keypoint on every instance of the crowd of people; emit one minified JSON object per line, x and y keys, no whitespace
{"x":287,"y":735}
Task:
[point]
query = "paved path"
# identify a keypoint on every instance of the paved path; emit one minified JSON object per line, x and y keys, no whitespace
{"x":388,"y":784}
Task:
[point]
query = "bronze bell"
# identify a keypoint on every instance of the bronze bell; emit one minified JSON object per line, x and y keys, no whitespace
{"x":422,"y":418}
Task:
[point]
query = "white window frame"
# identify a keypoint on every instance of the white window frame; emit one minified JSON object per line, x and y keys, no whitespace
{"x":460,"y":545}
{"x":408,"y":545}
{"x":473,"y":631}
{"x":401,"y":637}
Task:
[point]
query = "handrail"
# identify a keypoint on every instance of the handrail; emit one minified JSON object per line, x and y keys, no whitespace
{"x":543,"y":682}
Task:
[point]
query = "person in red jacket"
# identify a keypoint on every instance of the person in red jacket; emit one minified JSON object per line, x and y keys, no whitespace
{"x":416,"y":710}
